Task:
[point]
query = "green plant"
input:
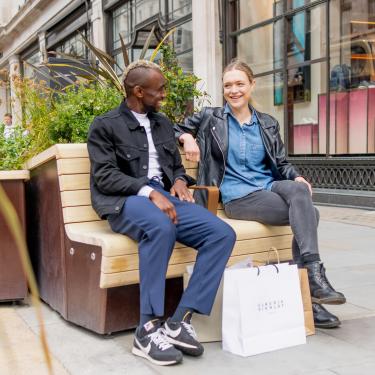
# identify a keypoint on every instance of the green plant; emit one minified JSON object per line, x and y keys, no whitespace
{"x":181,"y":87}
{"x":13,"y":149}
{"x":74,"y":112}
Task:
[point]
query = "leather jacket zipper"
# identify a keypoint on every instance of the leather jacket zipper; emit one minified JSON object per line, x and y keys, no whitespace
{"x":218,"y":143}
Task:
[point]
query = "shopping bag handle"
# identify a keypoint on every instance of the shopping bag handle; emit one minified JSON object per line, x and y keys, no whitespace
{"x":258,"y":269}
{"x":274,"y":249}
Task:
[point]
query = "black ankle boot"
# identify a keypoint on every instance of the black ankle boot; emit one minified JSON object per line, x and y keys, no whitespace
{"x":320,"y":288}
{"x":323,"y":318}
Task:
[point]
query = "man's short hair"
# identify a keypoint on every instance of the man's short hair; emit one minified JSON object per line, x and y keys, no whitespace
{"x":139,"y":64}
{"x":8,"y":115}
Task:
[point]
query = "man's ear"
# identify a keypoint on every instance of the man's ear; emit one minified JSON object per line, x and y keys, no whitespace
{"x":138,"y":91}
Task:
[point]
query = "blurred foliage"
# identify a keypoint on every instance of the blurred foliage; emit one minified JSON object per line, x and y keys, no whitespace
{"x":181,"y":87}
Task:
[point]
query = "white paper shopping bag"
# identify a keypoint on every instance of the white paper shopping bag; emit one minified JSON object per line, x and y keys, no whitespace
{"x":208,"y":328}
{"x":262,"y":309}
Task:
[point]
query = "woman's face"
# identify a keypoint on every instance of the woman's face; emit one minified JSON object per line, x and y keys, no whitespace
{"x":237,"y":88}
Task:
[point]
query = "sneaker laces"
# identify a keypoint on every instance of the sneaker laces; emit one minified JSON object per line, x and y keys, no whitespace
{"x":190,"y":329}
{"x":159,"y":338}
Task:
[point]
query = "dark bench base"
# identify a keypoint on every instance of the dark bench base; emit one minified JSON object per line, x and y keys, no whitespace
{"x":13,"y":284}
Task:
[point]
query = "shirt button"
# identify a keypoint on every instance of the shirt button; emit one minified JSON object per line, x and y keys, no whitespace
{"x":144,"y":166}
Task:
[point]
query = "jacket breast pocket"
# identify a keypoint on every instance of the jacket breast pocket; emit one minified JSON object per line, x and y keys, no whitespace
{"x":128,"y":159}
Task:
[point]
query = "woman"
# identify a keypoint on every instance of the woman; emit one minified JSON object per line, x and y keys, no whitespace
{"x":241,"y":151}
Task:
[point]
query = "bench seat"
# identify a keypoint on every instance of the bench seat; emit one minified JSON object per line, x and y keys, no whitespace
{"x":79,"y":260}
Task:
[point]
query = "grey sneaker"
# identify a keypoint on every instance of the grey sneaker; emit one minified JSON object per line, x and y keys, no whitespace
{"x":182,"y":335}
{"x":150,"y":342}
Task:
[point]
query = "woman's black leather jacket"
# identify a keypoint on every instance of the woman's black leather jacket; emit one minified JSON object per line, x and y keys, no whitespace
{"x":210,"y":128}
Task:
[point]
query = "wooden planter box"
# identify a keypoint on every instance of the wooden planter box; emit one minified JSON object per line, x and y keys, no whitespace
{"x":13,"y":285}
{"x":68,"y":272}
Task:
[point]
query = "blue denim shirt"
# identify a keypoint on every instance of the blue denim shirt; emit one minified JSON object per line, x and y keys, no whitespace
{"x":246,"y":169}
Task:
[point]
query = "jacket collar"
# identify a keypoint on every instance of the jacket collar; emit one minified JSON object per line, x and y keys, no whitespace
{"x":131,"y":121}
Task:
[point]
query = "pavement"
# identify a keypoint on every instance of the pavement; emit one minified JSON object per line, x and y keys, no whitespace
{"x":346,"y":238}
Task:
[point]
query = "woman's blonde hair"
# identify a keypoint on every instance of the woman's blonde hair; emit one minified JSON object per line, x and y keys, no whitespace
{"x":237,"y":64}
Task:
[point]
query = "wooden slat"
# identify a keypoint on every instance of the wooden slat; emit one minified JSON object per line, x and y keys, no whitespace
{"x":176,"y":270}
{"x":74,"y":182}
{"x":59,"y":151}
{"x":79,"y":214}
{"x":15,"y":175}
{"x":188,"y":164}
{"x":192,"y":172}
{"x":122,"y":263}
{"x":73,"y":166}
{"x":74,"y":198}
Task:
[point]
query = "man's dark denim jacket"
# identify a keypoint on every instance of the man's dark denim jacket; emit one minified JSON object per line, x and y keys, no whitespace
{"x":118,"y":151}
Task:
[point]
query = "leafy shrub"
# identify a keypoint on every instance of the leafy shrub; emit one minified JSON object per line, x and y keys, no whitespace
{"x":13,"y":149}
{"x":74,"y":112}
{"x":181,"y":87}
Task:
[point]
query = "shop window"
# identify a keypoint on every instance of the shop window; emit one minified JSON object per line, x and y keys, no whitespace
{"x":130,"y":20}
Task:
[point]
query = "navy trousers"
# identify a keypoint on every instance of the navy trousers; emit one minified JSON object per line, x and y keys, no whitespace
{"x":156,"y":235}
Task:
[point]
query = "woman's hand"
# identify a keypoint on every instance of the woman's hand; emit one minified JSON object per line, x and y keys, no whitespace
{"x":190,"y":147}
{"x":301,"y":179}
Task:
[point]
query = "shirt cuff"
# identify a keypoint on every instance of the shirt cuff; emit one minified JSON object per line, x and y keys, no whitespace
{"x":145,"y":191}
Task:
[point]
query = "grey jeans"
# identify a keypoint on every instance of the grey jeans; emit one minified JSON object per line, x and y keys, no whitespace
{"x":288,"y":203}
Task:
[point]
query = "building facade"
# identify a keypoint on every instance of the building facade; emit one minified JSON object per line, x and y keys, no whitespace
{"x":313,"y":62}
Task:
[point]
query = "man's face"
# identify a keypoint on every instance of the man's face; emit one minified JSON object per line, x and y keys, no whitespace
{"x":153,"y":93}
{"x":7,"y":120}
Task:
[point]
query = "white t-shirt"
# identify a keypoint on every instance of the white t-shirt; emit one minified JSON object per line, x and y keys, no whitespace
{"x":153,"y":157}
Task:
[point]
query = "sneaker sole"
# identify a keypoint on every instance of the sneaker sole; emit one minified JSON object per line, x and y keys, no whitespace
{"x":185,"y":348}
{"x":329,"y":300}
{"x":140,"y":353}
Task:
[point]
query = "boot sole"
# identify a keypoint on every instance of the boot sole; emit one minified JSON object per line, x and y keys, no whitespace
{"x":327,"y":325}
{"x":329,"y":300}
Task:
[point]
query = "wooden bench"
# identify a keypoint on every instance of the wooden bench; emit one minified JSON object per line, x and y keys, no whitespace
{"x":87,"y":272}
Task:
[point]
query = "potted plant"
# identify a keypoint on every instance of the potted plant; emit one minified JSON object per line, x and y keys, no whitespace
{"x":13,"y":284}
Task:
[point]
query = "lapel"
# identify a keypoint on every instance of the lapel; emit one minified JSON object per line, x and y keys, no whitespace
{"x":220,"y":128}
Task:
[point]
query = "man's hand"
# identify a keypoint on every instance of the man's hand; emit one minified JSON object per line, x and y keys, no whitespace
{"x":180,"y":190}
{"x":190,"y":147}
{"x":301,"y":179}
{"x":164,"y":204}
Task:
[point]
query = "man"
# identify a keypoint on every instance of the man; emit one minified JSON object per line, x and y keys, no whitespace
{"x":139,"y":184}
{"x":8,"y":126}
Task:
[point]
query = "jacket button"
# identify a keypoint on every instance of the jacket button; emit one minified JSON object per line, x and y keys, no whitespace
{"x":142,"y":129}
{"x":117,"y":208}
{"x":128,"y":155}
{"x":213,"y":128}
{"x":145,"y":145}
{"x":144,"y":167}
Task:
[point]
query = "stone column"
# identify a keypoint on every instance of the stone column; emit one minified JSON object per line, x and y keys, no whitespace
{"x":42,"y":46}
{"x":207,"y":50}
{"x":14,"y":71}
{"x":97,"y":29}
